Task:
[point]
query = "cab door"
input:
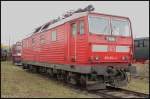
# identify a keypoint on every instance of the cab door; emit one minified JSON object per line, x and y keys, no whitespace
{"x":78,"y":41}
{"x":73,"y":41}
{"x":82,"y":42}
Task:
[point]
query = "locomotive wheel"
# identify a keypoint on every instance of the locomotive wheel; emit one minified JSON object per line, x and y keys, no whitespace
{"x":37,"y":69}
{"x":68,"y":78}
{"x":55,"y":76}
{"x":77,"y":80}
{"x":83,"y":81}
{"x":50,"y":73}
{"x":65,"y":74}
{"x":34,"y":70}
{"x":30,"y":68}
{"x":58,"y":76}
{"x":24,"y":66}
{"x":42,"y":70}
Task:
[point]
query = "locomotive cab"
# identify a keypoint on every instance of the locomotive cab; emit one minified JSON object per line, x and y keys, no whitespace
{"x":111,"y":47}
{"x":110,"y":39}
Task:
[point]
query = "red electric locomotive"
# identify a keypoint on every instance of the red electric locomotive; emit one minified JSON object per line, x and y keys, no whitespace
{"x":16,"y":53}
{"x":84,"y":47}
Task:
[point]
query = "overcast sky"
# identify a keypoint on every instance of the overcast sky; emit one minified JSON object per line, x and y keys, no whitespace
{"x":20,"y":18}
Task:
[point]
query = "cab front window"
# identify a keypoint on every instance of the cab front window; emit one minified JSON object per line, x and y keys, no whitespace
{"x":99,"y":25}
{"x":109,"y":26}
{"x":120,"y":27}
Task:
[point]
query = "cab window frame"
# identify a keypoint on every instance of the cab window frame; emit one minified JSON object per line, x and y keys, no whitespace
{"x":72,"y":30}
{"x":33,"y":42}
{"x":141,"y":43}
{"x":42,"y":39}
{"x":54,"y":36}
{"x":83,"y":27}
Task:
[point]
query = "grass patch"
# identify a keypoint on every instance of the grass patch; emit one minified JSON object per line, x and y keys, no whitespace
{"x":16,"y":82}
{"x":142,"y":69}
{"x":141,"y":83}
{"x":138,"y":85}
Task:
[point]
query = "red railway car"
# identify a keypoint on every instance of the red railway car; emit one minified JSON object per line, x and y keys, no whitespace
{"x":86,"y":48}
{"x":16,"y":53}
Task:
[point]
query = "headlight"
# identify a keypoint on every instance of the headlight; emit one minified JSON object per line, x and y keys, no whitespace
{"x":97,"y":58}
{"x":92,"y":58}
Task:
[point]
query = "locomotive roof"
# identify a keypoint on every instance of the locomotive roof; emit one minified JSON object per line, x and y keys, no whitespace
{"x":72,"y":17}
{"x":62,"y":21}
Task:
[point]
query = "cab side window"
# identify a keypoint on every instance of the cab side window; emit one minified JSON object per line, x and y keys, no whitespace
{"x":146,"y":43}
{"x":33,"y":41}
{"x":81,"y":26}
{"x":74,"y":29}
{"x":53,"y":36}
{"x":23,"y":44}
{"x":42,"y":39}
{"x":141,"y":43}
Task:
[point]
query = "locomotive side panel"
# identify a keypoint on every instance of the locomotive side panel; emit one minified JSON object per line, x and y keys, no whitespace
{"x":56,"y":50}
{"x":42,"y":47}
{"x":35,"y":47}
{"x":26,"y":51}
{"x":82,"y":49}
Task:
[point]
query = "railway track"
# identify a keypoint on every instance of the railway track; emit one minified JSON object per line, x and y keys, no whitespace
{"x":119,"y":93}
{"x":110,"y":92}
